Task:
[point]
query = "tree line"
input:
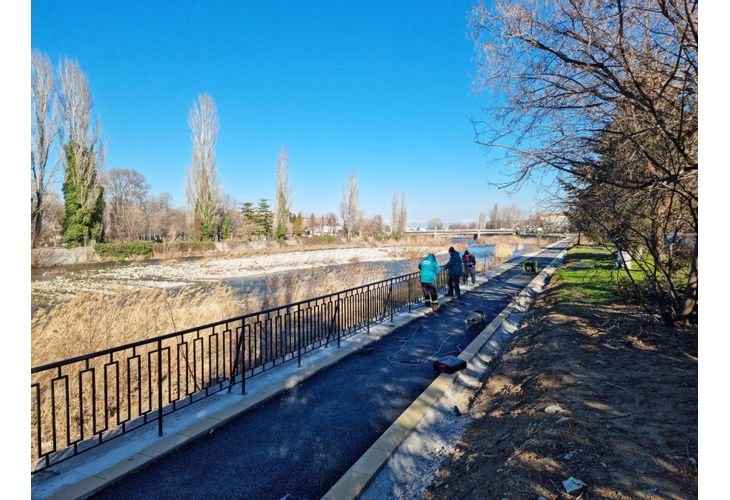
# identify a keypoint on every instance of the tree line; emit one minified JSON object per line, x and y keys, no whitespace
{"x":98,"y":204}
{"x":603,"y":95}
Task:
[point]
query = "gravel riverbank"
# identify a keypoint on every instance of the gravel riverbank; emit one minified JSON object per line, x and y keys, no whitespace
{"x":63,"y":283}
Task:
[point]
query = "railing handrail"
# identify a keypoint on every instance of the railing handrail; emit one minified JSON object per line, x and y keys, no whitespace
{"x":103,"y":352}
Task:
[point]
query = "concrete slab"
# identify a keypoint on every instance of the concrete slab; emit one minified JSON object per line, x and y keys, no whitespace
{"x":81,"y":489}
{"x":200,"y":428}
{"x":371,"y":461}
{"x":348,"y":487}
{"x":165,"y":446}
{"x":124,"y":467}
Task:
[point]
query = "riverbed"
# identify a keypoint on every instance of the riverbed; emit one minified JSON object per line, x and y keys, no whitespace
{"x":245,"y":274}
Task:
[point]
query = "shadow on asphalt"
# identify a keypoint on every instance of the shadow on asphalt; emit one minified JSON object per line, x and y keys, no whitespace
{"x":303,"y":440}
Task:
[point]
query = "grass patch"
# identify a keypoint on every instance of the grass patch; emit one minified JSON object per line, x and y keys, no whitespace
{"x":121,"y":250}
{"x":588,"y":278}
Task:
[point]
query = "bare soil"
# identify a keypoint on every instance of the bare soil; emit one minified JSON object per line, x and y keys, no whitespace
{"x":605,"y":395}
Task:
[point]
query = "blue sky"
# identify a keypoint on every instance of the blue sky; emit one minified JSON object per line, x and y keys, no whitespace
{"x":379,"y":87}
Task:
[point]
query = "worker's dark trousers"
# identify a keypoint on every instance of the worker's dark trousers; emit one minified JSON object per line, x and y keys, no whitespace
{"x":454,"y":286}
{"x":468,"y":271}
{"x":430,"y":294}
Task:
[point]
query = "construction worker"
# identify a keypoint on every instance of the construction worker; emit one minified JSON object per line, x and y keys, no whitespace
{"x":454,"y":267}
{"x":430,"y":270}
{"x":470,"y":263}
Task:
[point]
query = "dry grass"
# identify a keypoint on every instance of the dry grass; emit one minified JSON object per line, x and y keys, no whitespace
{"x":94,"y":321}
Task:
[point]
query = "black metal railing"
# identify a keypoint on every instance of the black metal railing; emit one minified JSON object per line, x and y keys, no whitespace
{"x":82,"y":402}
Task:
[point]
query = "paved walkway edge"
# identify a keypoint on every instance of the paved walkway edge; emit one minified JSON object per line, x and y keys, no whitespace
{"x":90,"y":485}
{"x":356,"y":480}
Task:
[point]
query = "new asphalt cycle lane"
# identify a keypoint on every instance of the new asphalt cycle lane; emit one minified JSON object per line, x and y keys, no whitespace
{"x":301,"y":441}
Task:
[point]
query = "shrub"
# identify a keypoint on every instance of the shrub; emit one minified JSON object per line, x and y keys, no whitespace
{"x":171,"y":249}
{"x":119,"y":250}
{"x":388,"y":237}
{"x":323,"y":239}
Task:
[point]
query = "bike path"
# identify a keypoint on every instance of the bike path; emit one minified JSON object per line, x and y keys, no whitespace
{"x":302,"y":441}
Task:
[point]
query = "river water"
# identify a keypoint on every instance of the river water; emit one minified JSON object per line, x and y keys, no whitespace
{"x":54,"y":285}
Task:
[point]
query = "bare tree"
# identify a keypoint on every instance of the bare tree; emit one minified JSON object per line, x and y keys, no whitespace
{"x":395,"y":214}
{"x":482,"y":220}
{"x":201,"y":182}
{"x":435,"y":224}
{"x":372,"y":226}
{"x":126,"y":193}
{"x":494,"y":218}
{"x":403,"y":214}
{"x":159,"y":216}
{"x":52,"y":219}
{"x":399,"y":213}
{"x":83,"y":157}
{"x":283,"y":193}
{"x":604,"y":94}
{"x":350,"y":206}
{"x":45,"y":128}
{"x":330,"y":221}
{"x":511,"y":214}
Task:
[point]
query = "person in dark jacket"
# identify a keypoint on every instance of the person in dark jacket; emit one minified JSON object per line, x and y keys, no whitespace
{"x":454,"y":267}
{"x":470,"y":264}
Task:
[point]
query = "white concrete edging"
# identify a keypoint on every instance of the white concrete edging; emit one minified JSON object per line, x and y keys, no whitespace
{"x":355,"y":481}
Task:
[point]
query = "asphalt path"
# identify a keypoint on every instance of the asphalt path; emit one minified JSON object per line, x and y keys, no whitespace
{"x":303,"y":440}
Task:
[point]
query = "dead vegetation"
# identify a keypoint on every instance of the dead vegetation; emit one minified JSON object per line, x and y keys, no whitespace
{"x":95,"y":321}
{"x":607,"y":396}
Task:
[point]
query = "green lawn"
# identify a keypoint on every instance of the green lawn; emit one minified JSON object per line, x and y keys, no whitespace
{"x":587,"y":277}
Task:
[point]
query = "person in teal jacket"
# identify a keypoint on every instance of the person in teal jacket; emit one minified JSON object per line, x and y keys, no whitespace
{"x":430,"y":270}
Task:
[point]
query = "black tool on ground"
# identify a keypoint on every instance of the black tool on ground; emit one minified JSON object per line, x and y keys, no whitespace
{"x":476,"y":319}
{"x":449,"y":364}
{"x":529,"y":267}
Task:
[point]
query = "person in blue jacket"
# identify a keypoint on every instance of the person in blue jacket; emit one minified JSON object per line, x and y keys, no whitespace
{"x":454,"y":267}
{"x":430,"y":270}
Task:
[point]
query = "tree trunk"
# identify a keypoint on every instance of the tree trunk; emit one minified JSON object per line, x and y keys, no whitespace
{"x":38,"y":220}
{"x":690,"y":294}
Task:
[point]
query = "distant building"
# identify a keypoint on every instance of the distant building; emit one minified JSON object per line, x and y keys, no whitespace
{"x":556,"y":220}
{"x":327,"y":229}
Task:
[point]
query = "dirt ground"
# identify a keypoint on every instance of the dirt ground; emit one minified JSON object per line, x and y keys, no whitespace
{"x":603,"y":394}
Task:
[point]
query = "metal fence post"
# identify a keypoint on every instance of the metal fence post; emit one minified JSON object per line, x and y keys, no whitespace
{"x":391,"y":301}
{"x":368,"y":308}
{"x":299,"y":335}
{"x":243,"y":356}
{"x":339,"y":323}
{"x":159,"y":387}
{"x":409,"y":294}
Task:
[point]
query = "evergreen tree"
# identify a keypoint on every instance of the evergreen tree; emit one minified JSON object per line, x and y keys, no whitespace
{"x":83,"y":197}
{"x":298,"y":225}
{"x":248,"y":212}
{"x":264,"y":218}
{"x":226,"y":230}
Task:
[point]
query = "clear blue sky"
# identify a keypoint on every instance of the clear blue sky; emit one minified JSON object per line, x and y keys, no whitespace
{"x":379,"y":87}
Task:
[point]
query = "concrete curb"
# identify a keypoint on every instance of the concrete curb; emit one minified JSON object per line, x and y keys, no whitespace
{"x":169,"y":443}
{"x":356,"y":480}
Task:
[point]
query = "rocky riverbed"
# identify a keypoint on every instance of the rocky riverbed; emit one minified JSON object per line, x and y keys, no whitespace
{"x":62,"y":283}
